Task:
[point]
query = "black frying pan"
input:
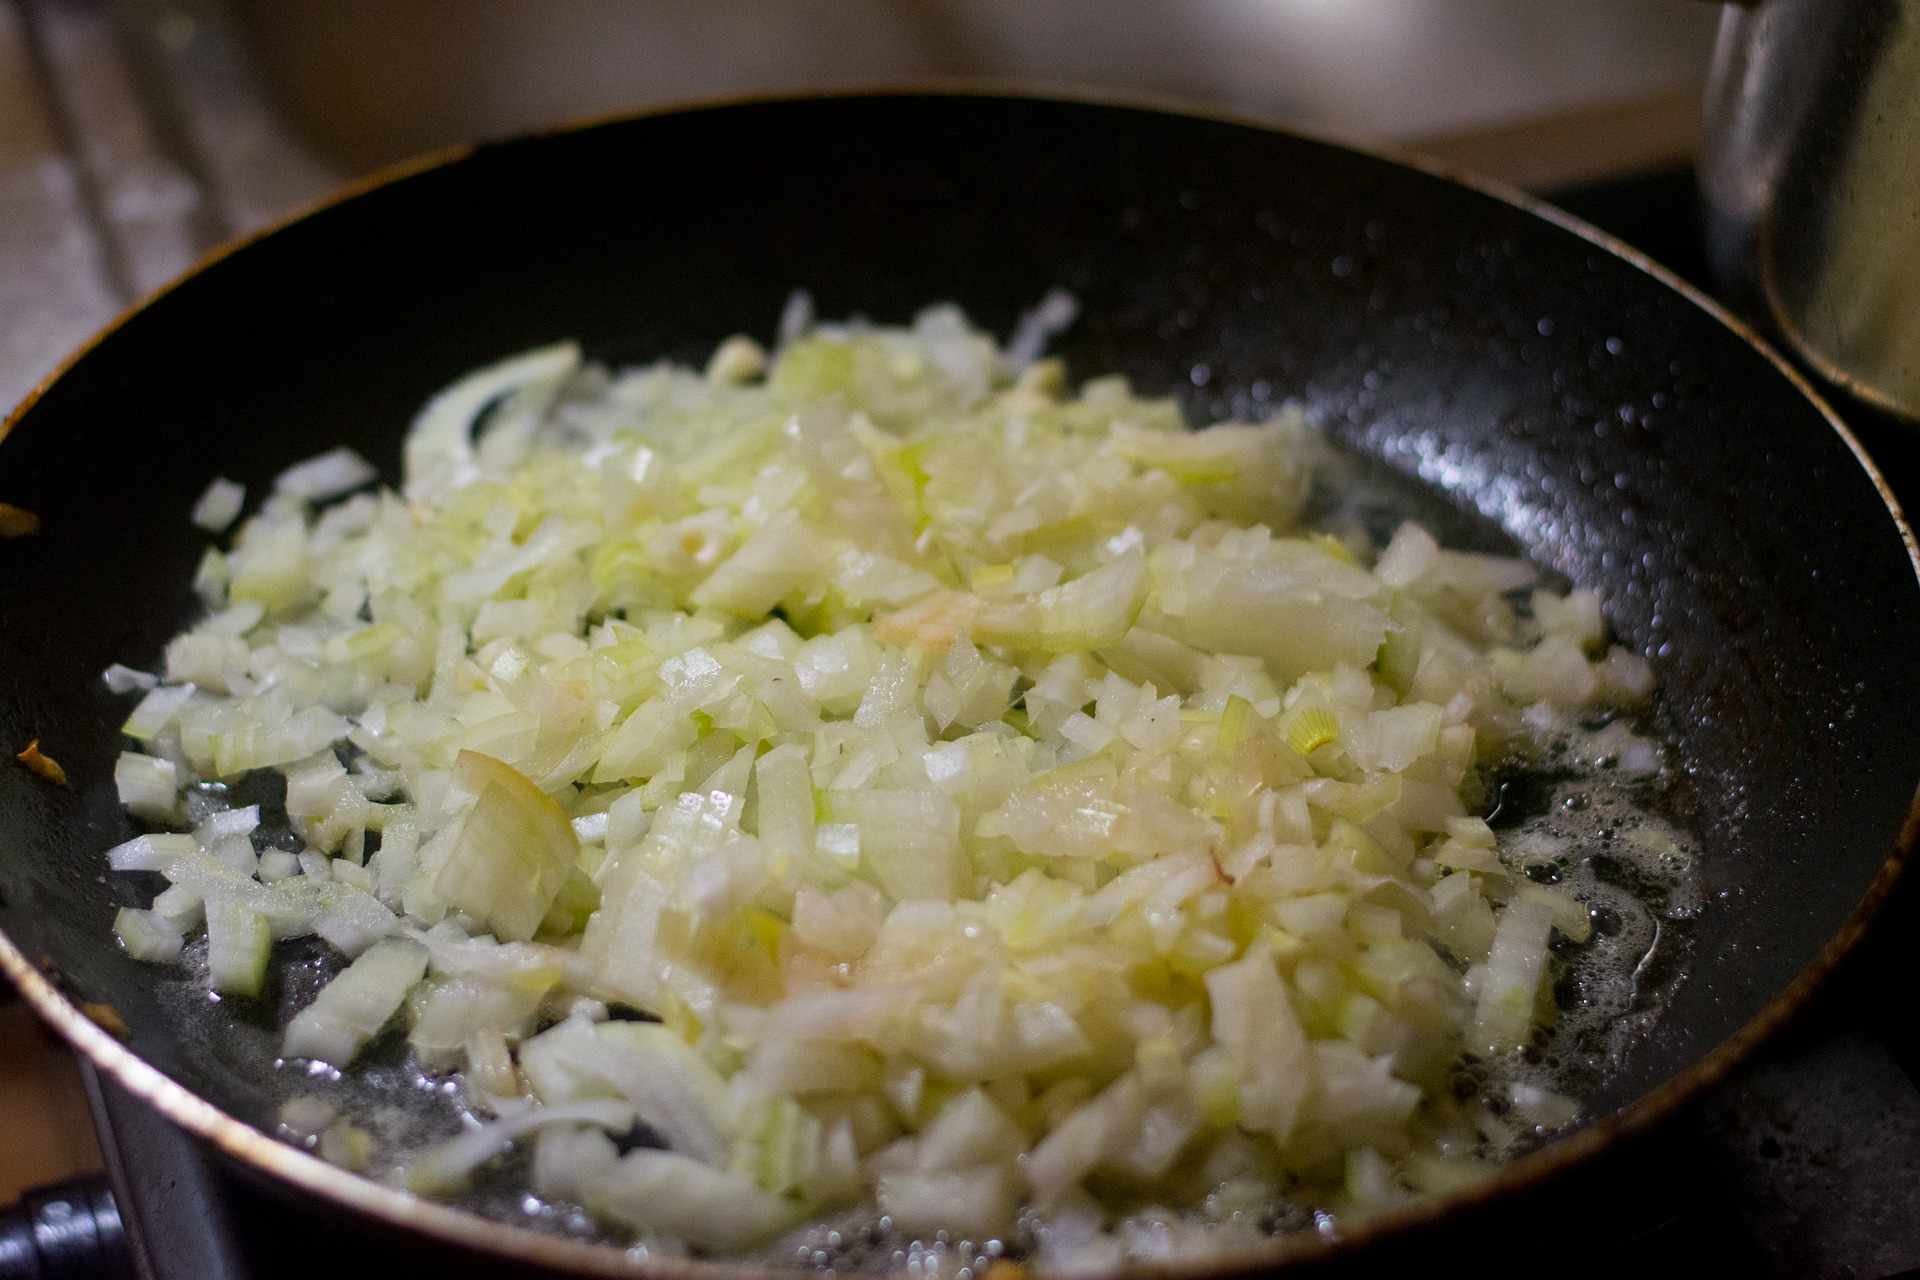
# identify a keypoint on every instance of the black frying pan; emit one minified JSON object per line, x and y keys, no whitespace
{"x":1616,"y":426}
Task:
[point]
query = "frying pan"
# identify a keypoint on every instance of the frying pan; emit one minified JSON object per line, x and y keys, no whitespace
{"x":1543,"y":384}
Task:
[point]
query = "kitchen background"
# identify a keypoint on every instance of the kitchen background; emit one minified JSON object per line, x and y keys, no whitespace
{"x":135,"y":135}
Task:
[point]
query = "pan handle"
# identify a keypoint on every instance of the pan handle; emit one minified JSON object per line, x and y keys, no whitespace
{"x":68,"y":1231}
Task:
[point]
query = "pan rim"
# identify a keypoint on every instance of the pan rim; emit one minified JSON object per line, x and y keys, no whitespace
{"x":469,"y":1231}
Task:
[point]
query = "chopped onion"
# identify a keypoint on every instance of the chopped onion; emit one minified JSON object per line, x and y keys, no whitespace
{"x":238,"y":942}
{"x":147,"y":935}
{"x":220,"y":505}
{"x":327,"y":475}
{"x":994,"y":797}
{"x":1055,"y":314}
{"x":353,"y":1007}
{"x":125,"y":679}
{"x":448,"y":1166}
{"x":156,"y":711}
{"x":511,"y":855}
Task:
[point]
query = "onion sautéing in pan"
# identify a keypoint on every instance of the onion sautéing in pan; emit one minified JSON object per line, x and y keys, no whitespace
{"x":1002,"y":815}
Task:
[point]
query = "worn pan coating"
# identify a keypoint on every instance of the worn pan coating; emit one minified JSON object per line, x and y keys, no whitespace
{"x":1619,"y":427}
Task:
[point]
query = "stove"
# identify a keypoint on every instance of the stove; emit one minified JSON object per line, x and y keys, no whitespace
{"x":133,"y":138}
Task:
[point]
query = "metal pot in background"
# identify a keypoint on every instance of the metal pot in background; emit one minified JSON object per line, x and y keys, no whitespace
{"x":1810,"y":169}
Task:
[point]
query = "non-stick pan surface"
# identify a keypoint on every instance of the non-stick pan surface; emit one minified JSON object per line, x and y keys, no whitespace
{"x":1617,"y":429}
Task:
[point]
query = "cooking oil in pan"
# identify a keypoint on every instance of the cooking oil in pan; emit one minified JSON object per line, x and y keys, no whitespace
{"x":1587,"y":817}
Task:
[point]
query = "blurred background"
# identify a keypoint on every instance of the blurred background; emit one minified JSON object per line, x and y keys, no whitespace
{"x":366,"y":81}
{"x":136,"y":134}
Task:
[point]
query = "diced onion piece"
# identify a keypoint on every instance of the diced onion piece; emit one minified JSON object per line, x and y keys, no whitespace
{"x":353,"y":1008}
{"x":326,"y":475}
{"x":1055,"y":313}
{"x":306,"y":1118}
{"x":157,"y":852}
{"x":1311,"y":728}
{"x":1094,"y":609}
{"x":1253,"y":1020}
{"x":260,"y":745}
{"x":439,"y":448}
{"x":238,"y":944}
{"x":1290,"y":604}
{"x":278,"y":864}
{"x":156,"y":711}
{"x":1503,"y":1017}
{"x":1082,"y":1139}
{"x":1541,"y":1106}
{"x":1568,"y":916}
{"x":449,"y":1012}
{"x":1409,"y":555}
{"x":125,"y":679}
{"x":786,"y":808}
{"x":667,"y":1193}
{"x":910,"y":841}
{"x":448,"y":1166}
{"x":978,"y":1203}
{"x":513,"y":852}
{"x":272,"y":565}
{"x":147,"y":935}
{"x":783,"y":557}
{"x":672,"y":1088}
{"x":227,"y":822}
{"x":737,"y":360}
{"x":220,"y":505}
{"x":351,"y":918}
